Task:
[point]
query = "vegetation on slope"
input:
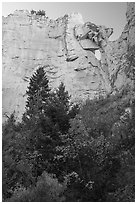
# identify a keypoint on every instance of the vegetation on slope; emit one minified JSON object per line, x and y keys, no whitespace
{"x":63,"y":152}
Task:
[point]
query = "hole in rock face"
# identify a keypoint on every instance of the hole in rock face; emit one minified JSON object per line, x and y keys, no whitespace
{"x":98,"y":54}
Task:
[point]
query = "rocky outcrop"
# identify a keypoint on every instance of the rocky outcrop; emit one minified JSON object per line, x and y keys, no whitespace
{"x":114,"y":53}
{"x":66,"y":47}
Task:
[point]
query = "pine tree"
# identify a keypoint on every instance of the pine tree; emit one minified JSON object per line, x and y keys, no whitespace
{"x":35,"y":118}
{"x":63,"y":96}
{"x":38,"y":93}
{"x":59,"y":108}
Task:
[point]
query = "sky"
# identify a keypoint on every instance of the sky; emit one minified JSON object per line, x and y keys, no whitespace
{"x":110,"y":14}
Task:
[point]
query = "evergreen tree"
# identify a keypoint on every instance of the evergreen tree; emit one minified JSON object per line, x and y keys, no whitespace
{"x":75,"y":108}
{"x":63,"y":96}
{"x":36,"y":122}
{"x":38,"y":93}
{"x":59,"y":108}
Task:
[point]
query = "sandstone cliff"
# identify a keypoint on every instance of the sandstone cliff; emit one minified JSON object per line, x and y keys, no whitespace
{"x":66,"y":47}
{"x":115,"y":52}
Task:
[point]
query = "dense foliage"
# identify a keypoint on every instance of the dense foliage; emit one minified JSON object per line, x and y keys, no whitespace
{"x":65,"y":152}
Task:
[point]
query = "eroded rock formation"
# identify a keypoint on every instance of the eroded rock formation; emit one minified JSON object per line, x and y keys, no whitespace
{"x":114,"y":53}
{"x":66,"y":47}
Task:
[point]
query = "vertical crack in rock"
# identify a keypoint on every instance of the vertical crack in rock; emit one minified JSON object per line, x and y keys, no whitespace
{"x":115,"y":52}
{"x":66,"y":47}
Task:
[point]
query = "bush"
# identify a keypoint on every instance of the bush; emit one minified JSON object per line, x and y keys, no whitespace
{"x":33,"y":12}
{"x":99,"y":115}
{"x":89,"y":149}
{"x":17,"y":165}
{"x":86,"y":149}
{"x":47,"y":189}
{"x":41,"y":13}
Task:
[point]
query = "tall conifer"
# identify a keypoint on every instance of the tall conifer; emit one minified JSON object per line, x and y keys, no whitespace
{"x":38,"y":93}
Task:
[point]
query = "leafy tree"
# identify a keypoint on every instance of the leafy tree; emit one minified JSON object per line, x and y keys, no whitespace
{"x":99,"y":115}
{"x":47,"y":189}
{"x":85,"y":150}
{"x":17,"y":164}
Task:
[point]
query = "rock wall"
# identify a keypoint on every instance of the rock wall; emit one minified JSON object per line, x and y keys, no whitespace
{"x":114,"y":53}
{"x":66,"y":47}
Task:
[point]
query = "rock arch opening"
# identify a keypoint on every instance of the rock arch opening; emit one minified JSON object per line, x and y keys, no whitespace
{"x":98,"y":54}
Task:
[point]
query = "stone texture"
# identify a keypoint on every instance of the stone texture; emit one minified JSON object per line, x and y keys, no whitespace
{"x":66,"y":47}
{"x":113,"y":54}
{"x":87,"y":44}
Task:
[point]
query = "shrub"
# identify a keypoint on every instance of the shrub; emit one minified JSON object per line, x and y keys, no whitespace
{"x":100,"y":115}
{"x":47,"y":189}
{"x":41,"y":13}
{"x":74,"y":143}
{"x":33,"y":12}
